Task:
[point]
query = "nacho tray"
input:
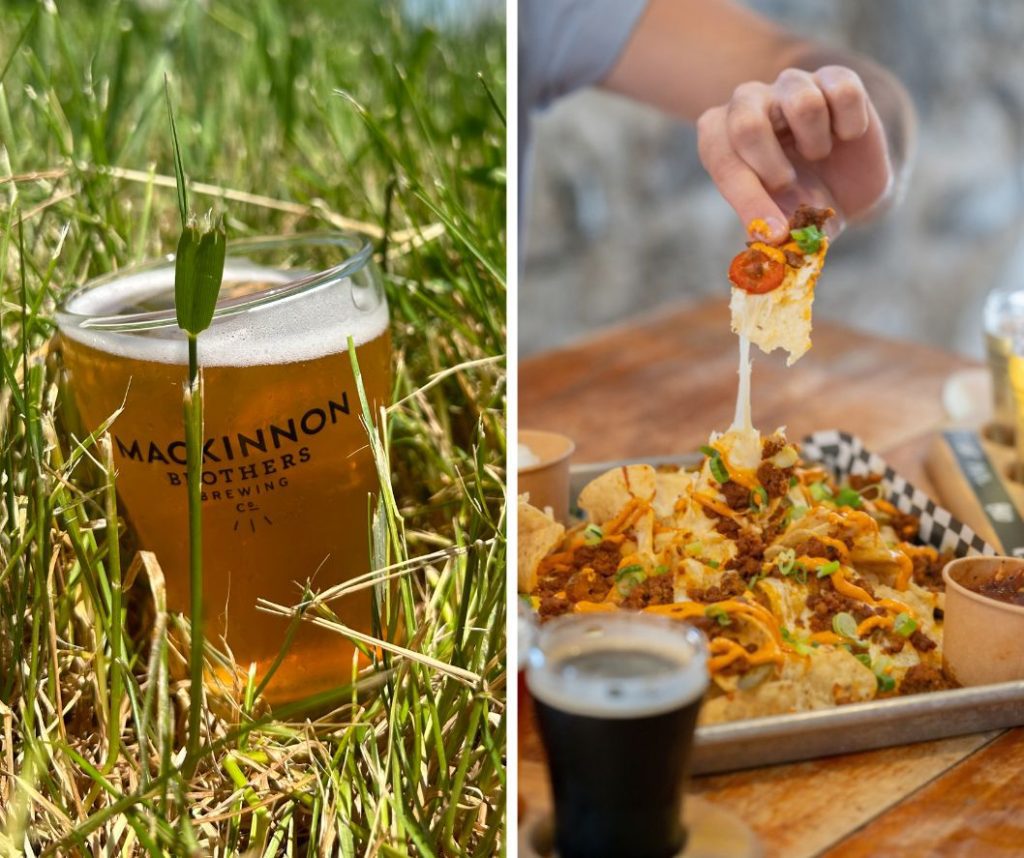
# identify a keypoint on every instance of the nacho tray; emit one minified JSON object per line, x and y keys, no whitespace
{"x":756,"y":742}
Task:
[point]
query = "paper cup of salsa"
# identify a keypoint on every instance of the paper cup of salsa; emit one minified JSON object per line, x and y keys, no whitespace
{"x":544,"y":470}
{"x":983,"y":636}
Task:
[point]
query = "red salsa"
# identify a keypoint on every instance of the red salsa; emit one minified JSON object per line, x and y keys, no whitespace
{"x":1007,"y":585}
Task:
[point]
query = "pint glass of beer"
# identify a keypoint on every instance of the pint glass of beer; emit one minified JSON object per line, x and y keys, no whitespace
{"x":617,"y":697}
{"x":286,"y":466}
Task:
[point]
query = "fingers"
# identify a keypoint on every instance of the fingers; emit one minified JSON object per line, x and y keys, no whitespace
{"x":750,"y":132}
{"x":741,"y":186}
{"x":744,"y":143}
{"x":807,"y":113}
{"x":847,"y":101}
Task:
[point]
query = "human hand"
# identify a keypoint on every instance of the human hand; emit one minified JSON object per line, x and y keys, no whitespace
{"x":810,"y":138}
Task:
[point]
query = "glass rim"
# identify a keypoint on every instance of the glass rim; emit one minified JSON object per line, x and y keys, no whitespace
{"x":694,"y":638}
{"x":359,"y":256}
{"x":689,"y":678}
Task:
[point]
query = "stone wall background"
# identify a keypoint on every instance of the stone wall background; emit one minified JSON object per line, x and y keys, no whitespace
{"x":622,"y":219}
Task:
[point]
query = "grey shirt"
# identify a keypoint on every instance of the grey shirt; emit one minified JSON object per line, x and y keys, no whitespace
{"x":565,"y":45}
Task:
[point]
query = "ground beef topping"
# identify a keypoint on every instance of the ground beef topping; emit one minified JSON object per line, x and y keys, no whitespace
{"x":906,"y":526}
{"x":728,"y":528}
{"x":806,"y":216}
{"x":654,"y":590}
{"x":771,"y":445}
{"x":922,"y":678}
{"x":893,"y":643}
{"x":749,"y":554}
{"x":602,"y":558}
{"x":728,"y":586}
{"x":795,"y":260}
{"x":553,"y":605}
{"x":859,"y":482}
{"x":587,"y":586}
{"x":921,"y":642}
{"x":827,"y":602}
{"x":928,"y":570}
{"x":586,"y":577}
{"x":736,"y":496}
{"x":775,"y":480}
{"x":814,"y":547}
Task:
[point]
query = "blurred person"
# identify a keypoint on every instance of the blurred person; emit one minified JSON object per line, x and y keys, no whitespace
{"x":781,"y":120}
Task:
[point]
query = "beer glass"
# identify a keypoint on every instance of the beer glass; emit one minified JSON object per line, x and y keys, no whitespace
{"x":286,"y":466}
{"x":617,"y":697}
{"x":526,"y":633}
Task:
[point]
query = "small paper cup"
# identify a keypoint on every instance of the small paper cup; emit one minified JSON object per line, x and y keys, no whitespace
{"x":982,"y":638}
{"x":547,"y":482}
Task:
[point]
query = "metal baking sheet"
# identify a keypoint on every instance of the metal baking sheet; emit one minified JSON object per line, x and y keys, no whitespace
{"x":756,"y":742}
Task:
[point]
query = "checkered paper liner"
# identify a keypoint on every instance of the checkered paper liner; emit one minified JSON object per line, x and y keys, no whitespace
{"x":844,"y":455}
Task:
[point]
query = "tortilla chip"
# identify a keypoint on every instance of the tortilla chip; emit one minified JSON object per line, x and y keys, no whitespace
{"x":669,"y":487}
{"x":826,"y":678}
{"x":539,"y":535}
{"x":605,"y":496}
{"x":780,"y":318}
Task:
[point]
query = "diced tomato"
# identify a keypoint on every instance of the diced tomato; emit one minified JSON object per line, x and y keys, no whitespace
{"x":755,"y":272}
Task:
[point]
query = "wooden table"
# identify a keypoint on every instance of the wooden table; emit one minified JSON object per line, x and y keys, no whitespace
{"x":660,"y":385}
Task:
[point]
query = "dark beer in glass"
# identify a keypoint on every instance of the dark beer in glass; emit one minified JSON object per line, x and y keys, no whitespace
{"x":617,"y":697}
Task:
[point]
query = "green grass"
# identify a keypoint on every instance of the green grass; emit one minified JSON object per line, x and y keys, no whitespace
{"x":292,"y":116}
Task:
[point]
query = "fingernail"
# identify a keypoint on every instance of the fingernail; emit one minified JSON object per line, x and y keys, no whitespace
{"x":776,"y":228}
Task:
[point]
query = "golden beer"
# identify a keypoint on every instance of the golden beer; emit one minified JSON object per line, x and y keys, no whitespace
{"x":287,"y":470}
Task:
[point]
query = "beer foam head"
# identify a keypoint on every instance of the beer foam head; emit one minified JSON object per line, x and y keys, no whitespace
{"x":617,"y":665}
{"x":303,"y":326}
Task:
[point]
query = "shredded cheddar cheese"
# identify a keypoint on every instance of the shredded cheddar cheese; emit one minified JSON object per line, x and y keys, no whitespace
{"x":874,"y":623}
{"x":716,"y":506}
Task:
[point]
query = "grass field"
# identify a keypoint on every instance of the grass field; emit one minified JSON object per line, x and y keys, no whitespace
{"x":292,"y":116}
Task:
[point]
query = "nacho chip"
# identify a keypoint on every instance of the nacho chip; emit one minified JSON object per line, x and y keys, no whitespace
{"x":539,"y":534}
{"x":826,"y":678}
{"x":603,"y":498}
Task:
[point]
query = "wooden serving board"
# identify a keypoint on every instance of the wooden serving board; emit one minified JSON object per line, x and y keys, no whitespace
{"x":974,"y":479}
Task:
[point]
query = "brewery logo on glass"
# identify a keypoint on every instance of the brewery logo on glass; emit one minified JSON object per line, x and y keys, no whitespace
{"x":287,"y":468}
{"x":242,"y":467}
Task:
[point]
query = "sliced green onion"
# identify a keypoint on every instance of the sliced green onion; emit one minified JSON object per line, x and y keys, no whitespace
{"x":785,"y":560}
{"x":844,"y":624}
{"x":795,"y":513}
{"x":801,"y":647}
{"x":904,"y":625}
{"x":714,"y":564}
{"x":864,"y":658}
{"x":820,"y":491}
{"x":628,"y":577}
{"x":713,"y":612}
{"x":761,"y":498}
{"x":793,"y":481}
{"x":848,"y":497}
{"x":807,"y":239}
{"x":592,"y":534}
{"x":882,"y":664}
{"x":718,"y":469}
{"x":661,"y":569}
{"x":827,"y":569}
{"x":693,"y":548}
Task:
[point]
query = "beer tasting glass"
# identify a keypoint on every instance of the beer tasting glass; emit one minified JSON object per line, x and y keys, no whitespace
{"x":617,"y":697}
{"x":286,"y":465}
